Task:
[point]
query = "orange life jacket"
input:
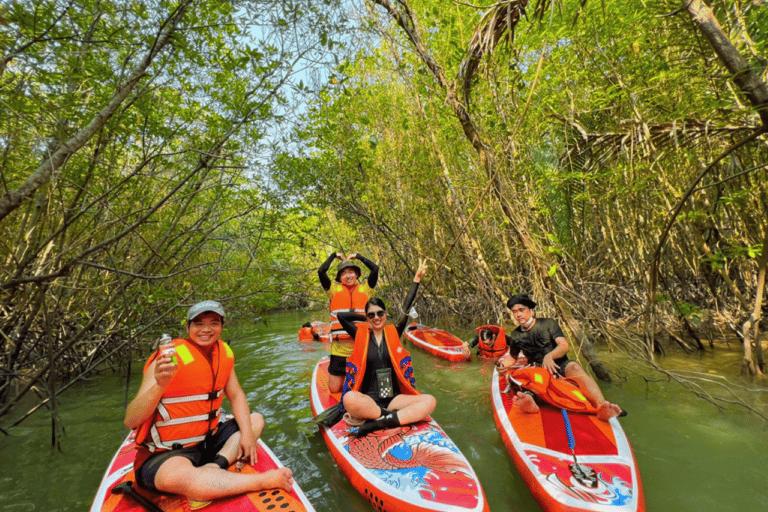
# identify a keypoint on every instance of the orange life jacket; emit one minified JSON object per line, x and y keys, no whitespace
{"x":401,"y":362}
{"x":499,"y":346}
{"x":346,"y":299}
{"x":305,"y":335}
{"x":562,"y":393}
{"x":191,"y":404}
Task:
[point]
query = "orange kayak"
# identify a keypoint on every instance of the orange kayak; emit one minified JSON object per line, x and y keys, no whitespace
{"x":413,"y":468}
{"x":603,"y":478}
{"x":120,"y":473}
{"x":437,"y":342}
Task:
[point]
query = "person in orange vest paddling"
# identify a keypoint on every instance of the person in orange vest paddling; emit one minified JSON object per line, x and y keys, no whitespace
{"x":184,"y":447}
{"x":349,"y":296}
{"x":543,"y":344}
{"x":308,"y":332}
{"x":379,"y":387}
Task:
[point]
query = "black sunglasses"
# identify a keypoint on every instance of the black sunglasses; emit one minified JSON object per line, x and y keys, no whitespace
{"x":373,"y":314}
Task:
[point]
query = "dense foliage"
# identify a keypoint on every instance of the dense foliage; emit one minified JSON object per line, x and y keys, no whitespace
{"x":608,"y":158}
{"x":601,"y":156}
{"x":135,"y":146}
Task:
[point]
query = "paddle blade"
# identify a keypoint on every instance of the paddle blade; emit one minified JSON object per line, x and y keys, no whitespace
{"x":329,"y":417}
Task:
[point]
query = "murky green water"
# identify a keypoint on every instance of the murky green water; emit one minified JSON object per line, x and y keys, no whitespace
{"x":692,"y":457}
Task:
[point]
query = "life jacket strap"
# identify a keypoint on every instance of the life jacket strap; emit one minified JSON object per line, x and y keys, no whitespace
{"x":205,"y":397}
{"x":335,"y":312}
{"x":189,"y":419}
{"x":158,"y":444}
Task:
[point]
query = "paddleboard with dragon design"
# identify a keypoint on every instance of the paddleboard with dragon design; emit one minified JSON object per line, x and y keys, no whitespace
{"x":413,"y":468}
{"x":540,"y":449}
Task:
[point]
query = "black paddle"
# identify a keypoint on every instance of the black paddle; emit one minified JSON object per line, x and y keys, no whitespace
{"x":127,"y":489}
{"x":329,"y":417}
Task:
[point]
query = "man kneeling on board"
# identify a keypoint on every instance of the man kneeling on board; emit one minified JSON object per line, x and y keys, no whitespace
{"x":184,"y":449}
{"x":543,"y":344}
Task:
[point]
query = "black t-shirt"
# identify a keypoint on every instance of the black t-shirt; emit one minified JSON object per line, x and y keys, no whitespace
{"x":538,"y":341}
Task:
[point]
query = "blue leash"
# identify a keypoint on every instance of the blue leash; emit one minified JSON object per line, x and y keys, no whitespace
{"x":569,"y":433}
{"x":584,"y":474}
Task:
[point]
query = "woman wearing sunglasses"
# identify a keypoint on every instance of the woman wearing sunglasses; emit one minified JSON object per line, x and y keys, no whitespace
{"x":379,"y":386}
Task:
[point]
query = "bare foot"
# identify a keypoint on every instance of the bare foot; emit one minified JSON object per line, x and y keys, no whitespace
{"x":525,"y":403}
{"x":607,"y":410}
{"x":280,"y":478}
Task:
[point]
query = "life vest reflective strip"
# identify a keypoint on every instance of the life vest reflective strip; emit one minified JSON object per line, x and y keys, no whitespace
{"x":400,"y":357}
{"x":346,"y":299}
{"x":499,"y":346}
{"x":191,"y":404}
{"x":562,"y":393}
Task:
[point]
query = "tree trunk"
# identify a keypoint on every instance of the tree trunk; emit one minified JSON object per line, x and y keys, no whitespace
{"x":53,"y":161}
{"x":752,"y":325}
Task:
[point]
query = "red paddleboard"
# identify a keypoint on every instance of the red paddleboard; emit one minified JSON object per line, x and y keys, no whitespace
{"x":539,"y":446}
{"x":321,"y":328}
{"x":437,"y":342}
{"x":414,"y":468}
{"x":121,"y":470}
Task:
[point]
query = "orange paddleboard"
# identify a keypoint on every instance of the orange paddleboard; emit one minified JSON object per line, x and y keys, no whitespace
{"x":437,"y":342}
{"x":541,"y":450}
{"x":413,"y":468}
{"x":120,"y":471}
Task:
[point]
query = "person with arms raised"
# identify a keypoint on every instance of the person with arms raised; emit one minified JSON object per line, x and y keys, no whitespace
{"x":349,"y":296}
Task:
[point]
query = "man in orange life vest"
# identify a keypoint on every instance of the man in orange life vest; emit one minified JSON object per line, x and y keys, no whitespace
{"x":543,"y":344}
{"x":184,"y":448}
{"x":347,"y":296}
{"x":491,"y":341}
{"x":308,"y":332}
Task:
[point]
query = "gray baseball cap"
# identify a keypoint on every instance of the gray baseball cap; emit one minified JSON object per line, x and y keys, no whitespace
{"x":204,"y":307}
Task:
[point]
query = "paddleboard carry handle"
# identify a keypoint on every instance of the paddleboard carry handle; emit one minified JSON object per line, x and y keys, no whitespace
{"x":585,"y":475}
{"x":127,"y":489}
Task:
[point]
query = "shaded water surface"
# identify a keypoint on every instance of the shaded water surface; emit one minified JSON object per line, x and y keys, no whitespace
{"x":692,"y":457}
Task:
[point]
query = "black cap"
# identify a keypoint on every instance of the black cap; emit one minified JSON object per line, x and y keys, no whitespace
{"x":346,"y":264}
{"x":521,"y":299}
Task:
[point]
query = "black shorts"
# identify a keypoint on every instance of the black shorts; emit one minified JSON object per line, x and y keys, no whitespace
{"x":200,"y":454}
{"x":338,"y":366}
{"x":562,"y":365}
{"x":382,"y":402}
